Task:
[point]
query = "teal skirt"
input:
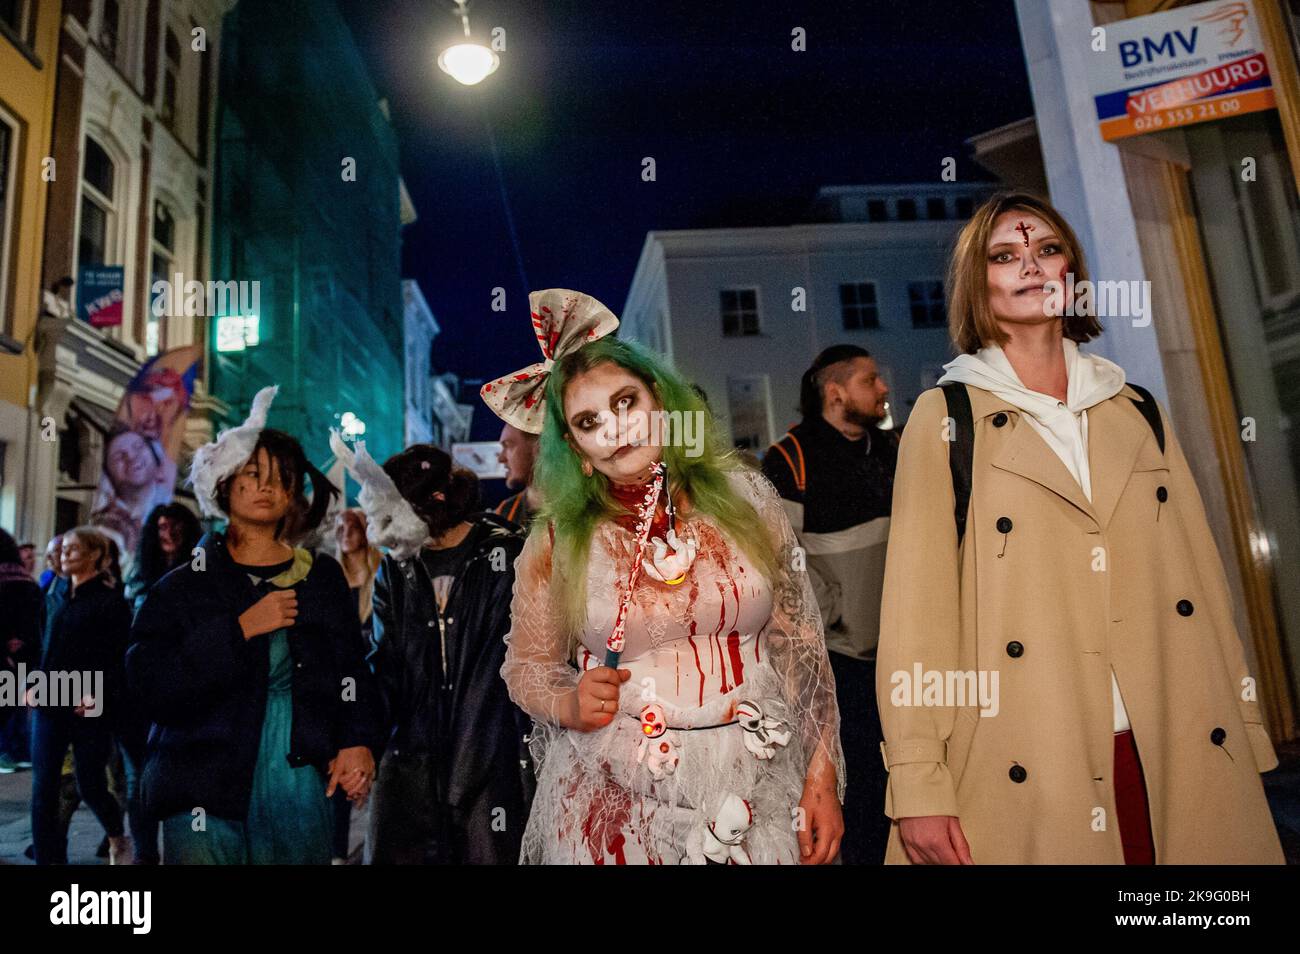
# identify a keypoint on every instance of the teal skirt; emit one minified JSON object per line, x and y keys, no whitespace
{"x":289,"y":820}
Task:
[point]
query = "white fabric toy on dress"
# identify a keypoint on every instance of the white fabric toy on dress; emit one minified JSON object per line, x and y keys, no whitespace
{"x":670,"y":567}
{"x":658,"y":747}
{"x":722,"y":840}
{"x":762,"y":732}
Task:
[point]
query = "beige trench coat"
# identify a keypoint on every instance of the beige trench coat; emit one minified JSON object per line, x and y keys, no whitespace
{"x":1125,"y":581}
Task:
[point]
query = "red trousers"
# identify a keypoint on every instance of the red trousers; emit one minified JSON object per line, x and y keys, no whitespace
{"x":1131,"y":803}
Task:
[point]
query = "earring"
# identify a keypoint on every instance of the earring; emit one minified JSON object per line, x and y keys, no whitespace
{"x":586,"y":467}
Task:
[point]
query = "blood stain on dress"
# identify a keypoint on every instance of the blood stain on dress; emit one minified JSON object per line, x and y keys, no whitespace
{"x":737,"y":665}
{"x":607,"y":815}
{"x":695,"y":649}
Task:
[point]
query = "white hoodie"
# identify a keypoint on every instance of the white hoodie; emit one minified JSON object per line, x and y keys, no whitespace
{"x":1063,"y":425}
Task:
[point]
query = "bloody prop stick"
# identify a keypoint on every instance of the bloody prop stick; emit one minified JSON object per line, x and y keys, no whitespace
{"x":614,"y":644}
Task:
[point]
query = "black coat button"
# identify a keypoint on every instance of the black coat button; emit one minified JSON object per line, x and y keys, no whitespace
{"x":999,"y":419}
{"x":1185,"y":608}
{"x":1217,"y":736}
{"x":1015,"y":650}
{"x":1004,"y":524}
{"x":1161,"y":494}
{"x":1018,"y":774}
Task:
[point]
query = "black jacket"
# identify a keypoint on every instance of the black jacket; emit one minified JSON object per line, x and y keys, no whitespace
{"x":460,"y":725}
{"x":22,"y":608}
{"x":204,"y":686}
{"x":838,"y":495}
{"x":840,"y":483}
{"x":86,"y":629}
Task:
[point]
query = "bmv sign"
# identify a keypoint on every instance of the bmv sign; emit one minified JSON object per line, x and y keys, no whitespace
{"x":1189,"y":65}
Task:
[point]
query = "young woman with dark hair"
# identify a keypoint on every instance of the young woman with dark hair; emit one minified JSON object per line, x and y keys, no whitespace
{"x":248,"y":660}
{"x":169,"y":535}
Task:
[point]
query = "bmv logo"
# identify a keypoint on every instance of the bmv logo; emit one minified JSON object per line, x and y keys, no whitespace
{"x":1230,"y":18}
{"x":1131,"y":52}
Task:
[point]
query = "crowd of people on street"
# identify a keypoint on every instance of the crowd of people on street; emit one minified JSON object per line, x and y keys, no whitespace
{"x":655,"y":652}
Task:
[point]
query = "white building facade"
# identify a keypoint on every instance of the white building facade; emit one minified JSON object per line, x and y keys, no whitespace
{"x":433,"y":415}
{"x":742,"y":312}
{"x":419,"y":328}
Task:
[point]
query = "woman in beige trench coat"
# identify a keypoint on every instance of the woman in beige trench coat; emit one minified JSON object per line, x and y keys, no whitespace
{"x":1112,"y":717}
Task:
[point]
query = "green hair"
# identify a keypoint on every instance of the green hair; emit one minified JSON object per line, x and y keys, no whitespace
{"x":574,"y":504}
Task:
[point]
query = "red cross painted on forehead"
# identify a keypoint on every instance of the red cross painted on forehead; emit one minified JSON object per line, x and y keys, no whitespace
{"x":1024,"y":230}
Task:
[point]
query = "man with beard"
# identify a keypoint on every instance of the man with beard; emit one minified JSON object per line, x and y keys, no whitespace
{"x":518,"y":454}
{"x":455,"y":782}
{"x":835,"y":473}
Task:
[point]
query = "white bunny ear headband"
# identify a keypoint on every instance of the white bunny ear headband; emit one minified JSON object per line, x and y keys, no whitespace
{"x":390,"y":520}
{"x":215,"y":461}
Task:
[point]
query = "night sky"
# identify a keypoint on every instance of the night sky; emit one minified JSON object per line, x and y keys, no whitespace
{"x":743,"y":131}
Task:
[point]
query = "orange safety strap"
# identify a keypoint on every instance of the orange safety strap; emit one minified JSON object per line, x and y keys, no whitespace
{"x":799,"y":474}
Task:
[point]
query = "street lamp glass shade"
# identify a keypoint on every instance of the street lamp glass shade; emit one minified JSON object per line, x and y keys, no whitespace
{"x":468,"y":63}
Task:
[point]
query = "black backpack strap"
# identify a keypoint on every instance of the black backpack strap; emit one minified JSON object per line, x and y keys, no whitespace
{"x":1151,"y":411}
{"x":961,"y":451}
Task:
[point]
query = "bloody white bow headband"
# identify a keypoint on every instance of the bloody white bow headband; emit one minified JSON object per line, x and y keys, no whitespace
{"x":563,"y":321}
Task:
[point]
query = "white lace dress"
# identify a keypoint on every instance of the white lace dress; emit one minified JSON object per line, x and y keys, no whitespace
{"x":709,"y":652}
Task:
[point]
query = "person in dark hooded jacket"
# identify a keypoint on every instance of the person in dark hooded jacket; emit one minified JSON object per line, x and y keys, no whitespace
{"x":454,"y":785}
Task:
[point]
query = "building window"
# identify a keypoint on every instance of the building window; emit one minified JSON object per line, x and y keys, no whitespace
{"x":858,"y":306}
{"x":16,"y":15}
{"x":171,"y":77}
{"x":936,"y":208}
{"x":110,"y":29}
{"x":8,"y":141}
{"x":926,"y":299}
{"x":907,"y":210}
{"x":97,"y":209}
{"x":162,"y":259}
{"x":739,"y":311}
{"x":877,"y":211}
{"x":965,"y":207}
{"x":748,"y":405}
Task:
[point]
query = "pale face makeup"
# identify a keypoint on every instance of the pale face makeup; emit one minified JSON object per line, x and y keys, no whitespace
{"x":1024,"y":255}
{"x":609,"y":410}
